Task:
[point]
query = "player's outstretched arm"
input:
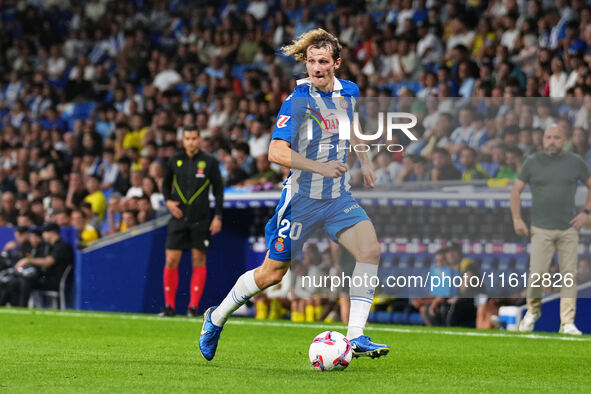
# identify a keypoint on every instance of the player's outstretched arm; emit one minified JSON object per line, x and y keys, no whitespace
{"x":369,"y":176}
{"x":281,"y":153}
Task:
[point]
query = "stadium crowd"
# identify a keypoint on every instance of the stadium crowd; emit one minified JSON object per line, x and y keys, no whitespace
{"x":94,"y":93}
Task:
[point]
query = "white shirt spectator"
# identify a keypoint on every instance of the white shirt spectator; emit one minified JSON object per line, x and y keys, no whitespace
{"x":464,"y":39}
{"x":110,"y":172}
{"x":430,"y":49}
{"x":402,"y":16}
{"x":218,"y":118}
{"x":388,"y":175}
{"x":461,"y":135}
{"x":582,"y":118}
{"x":508,"y":38}
{"x":157,"y":200}
{"x":13,"y":92}
{"x":166,"y":79}
{"x":88,"y":72}
{"x":134,"y":192}
{"x":558,"y":84}
{"x":543,"y":124}
{"x":258,"y":9}
{"x":409,"y":62}
{"x":55,"y":67}
{"x":572,"y":79}
{"x":94,"y":10}
{"x":259,"y":146}
{"x":476,"y":138}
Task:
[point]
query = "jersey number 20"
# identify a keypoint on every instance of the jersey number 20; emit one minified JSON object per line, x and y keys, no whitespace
{"x":294,"y":233}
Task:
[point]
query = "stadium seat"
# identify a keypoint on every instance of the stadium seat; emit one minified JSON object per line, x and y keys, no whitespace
{"x":58,"y":297}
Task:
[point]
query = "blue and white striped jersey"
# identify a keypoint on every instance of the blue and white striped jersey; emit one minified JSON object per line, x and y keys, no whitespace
{"x":308,"y":121}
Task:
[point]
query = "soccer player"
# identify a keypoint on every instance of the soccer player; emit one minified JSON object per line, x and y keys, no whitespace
{"x":317,"y":191}
{"x":185,"y":186}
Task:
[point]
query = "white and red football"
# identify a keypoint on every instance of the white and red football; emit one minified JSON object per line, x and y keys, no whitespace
{"x":330,"y":351}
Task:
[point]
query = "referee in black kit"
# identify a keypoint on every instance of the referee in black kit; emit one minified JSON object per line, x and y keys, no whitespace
{"x":187,"y":179}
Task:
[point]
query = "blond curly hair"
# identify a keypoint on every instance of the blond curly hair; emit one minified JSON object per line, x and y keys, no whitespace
{"x":317,"y":38}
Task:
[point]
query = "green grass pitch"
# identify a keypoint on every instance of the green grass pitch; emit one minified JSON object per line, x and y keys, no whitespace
{"x":47,"y":351}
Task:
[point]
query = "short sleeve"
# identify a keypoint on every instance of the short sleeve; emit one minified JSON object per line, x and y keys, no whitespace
{"x":289,"y":118}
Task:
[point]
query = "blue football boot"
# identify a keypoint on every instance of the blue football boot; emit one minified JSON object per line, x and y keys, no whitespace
{"x":210,"y":335}
{"x":363,"y":347}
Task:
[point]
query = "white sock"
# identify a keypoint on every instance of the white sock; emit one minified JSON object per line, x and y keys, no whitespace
{"x":244,"y":288}
{"x":361,"y":298}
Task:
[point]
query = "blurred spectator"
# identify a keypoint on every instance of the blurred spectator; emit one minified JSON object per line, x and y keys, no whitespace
{"x":44,"y":268}
{"x":259,"y":140}
{"x":95,"y":96}
{"x":135,"y":190}
{"x":150,"y":189}
{"x":86,"y":232}
{"x":128,"y":220}
{"x":76,"y":191}
{"x":264,"y":175}
{"x":234,"y":174}
{"x":9,"y":210}
{"x":443,"y":168}
{"x":513,"y":163}
{"x":472,"y":170}
{"x":95,"y":197}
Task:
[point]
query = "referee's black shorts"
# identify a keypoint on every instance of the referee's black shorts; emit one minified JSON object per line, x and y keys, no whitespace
{"x":183,"y":235}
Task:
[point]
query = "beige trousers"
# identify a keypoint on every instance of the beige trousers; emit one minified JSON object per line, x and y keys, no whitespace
{"x":543,"y":244}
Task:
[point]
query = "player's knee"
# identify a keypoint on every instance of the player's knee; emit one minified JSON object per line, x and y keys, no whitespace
{"x":199,"y":261}
{"x":172,"y":263}
{"x":271,"y":276}
{"x":275,"y":276}
{"x":370,"y":253}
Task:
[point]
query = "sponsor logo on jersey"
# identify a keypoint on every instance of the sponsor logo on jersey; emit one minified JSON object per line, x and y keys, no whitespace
{"x":201,"y":169}
{"x":281,"y":122}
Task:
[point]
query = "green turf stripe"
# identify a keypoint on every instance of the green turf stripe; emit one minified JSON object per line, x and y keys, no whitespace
{"x":252,"y":322}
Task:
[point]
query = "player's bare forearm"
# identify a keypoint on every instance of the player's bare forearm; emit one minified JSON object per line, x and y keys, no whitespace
{"x":362,"y":156}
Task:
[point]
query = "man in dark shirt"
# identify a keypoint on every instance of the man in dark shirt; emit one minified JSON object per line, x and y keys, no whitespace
{"x":236,"y":174}
{"x":553,"y":176}
{"x":9,"y":210}
{"x":185,"y":187}
{"x":123,"y":181}
{"x":44,"y":267}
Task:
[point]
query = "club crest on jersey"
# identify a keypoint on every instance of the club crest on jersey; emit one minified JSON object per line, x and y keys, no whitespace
{"x":279,"y":246}
{"x":282,"y":121}
{"x":343,"y":103}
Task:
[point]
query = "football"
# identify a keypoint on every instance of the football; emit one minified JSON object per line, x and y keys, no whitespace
{"x":330,"y":351}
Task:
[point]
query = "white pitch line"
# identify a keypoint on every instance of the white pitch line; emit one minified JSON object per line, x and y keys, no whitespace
{"x":106,"y":315}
